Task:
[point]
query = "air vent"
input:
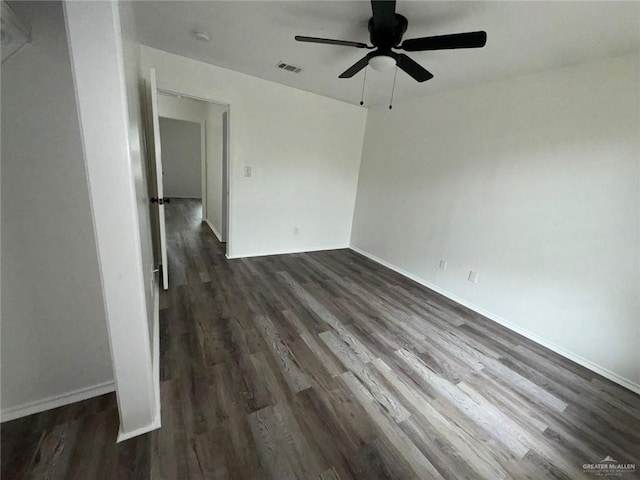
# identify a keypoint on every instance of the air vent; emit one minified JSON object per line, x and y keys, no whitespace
{"x":288,"y":67}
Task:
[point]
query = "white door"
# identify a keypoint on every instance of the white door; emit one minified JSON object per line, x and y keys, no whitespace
{"x":157,"y":173}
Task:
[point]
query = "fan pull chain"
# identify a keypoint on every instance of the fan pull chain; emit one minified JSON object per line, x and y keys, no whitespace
{"x":364,"y":82}
{"x":393,"y":88}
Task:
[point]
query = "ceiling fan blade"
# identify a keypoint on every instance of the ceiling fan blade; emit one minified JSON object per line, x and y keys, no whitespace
{"x":384,"y":16}
{"x":416,"y":71}
{"x":446,"y":42}
{"x":355,"y":68}
{"x":329,"y":41}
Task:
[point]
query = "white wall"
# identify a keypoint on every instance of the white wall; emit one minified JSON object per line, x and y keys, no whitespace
{"x":181,"y":108}
{"x":103,"y":54}
{"x":181,"y":158}
{"x":55,"y":346}
{"x":533,"y":182}
{"x":304,"y":151}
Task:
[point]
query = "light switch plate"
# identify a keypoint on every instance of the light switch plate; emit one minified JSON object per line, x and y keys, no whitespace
{"x":473,"y":276}
{"x":247,"y":171}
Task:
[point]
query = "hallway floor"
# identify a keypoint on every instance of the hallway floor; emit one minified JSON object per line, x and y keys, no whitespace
{"x":326,"y":365}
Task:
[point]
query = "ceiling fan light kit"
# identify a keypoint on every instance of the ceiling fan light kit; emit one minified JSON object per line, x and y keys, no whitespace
{"x":386,"y":29}
{"x":382,"y":63}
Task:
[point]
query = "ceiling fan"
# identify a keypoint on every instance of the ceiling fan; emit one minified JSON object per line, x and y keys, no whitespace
{"x":386,"y":29}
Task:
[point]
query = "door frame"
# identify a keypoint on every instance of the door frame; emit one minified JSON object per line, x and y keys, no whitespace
{"x":158,"y":173}
{"x":227,"y":204}
{"x":203,"y":148}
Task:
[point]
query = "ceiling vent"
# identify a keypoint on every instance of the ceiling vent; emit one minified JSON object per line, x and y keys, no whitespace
{"x":288,"y":67}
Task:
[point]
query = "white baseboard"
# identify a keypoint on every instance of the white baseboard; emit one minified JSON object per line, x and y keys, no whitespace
{"x":594,"y":367}
{"x":286,"y":252}
{"x":56,"y":401}
{"x":154,"y":425}
{"x":213,"y":229}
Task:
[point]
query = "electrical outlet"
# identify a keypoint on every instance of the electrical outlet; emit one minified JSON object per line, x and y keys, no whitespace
{"x":443,"y":265}
{"x":296,"y":230}
{"x":247,"y":171}
{"x":473,"y":276}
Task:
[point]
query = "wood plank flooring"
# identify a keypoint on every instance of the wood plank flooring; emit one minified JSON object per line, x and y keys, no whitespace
{"x":328,"y":366}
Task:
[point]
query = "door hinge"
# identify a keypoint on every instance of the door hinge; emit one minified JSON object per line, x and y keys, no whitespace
{"x":160,"y":201}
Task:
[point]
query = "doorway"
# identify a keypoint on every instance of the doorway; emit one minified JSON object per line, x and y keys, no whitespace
{"x":212,"y":119}
{"x":192,"y":157}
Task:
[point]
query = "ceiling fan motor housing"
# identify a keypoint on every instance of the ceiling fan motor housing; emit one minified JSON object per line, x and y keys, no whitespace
{"x":383,"y":40}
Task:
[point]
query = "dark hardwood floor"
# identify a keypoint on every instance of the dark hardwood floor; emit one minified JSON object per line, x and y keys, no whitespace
{"x":326,"y":365}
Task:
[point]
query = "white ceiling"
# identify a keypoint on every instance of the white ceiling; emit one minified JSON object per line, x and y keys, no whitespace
{"x":523,"y":37}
